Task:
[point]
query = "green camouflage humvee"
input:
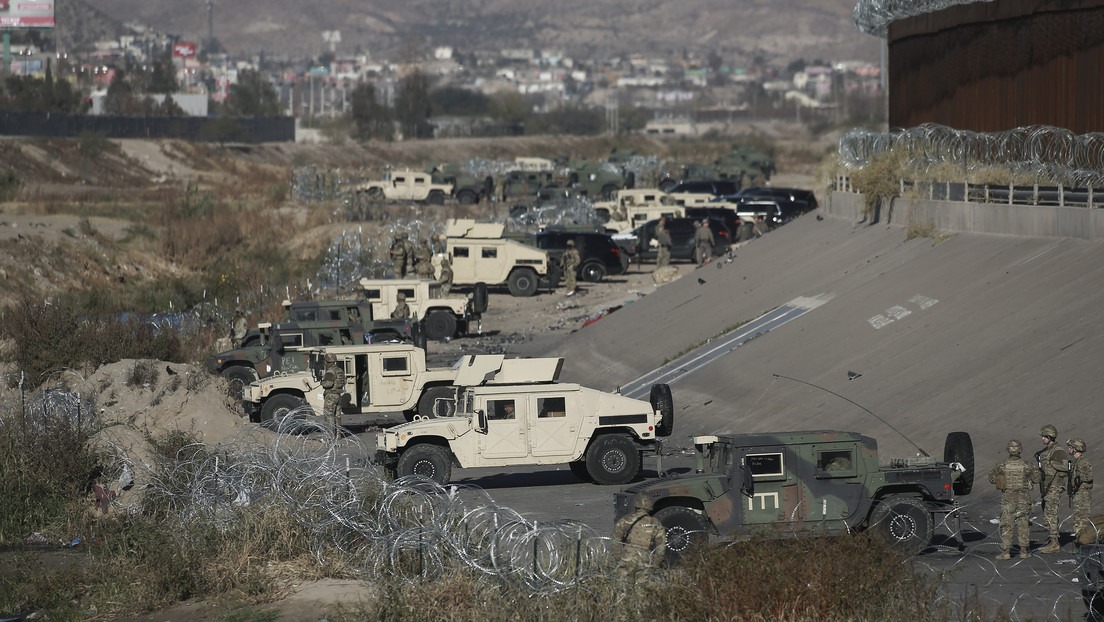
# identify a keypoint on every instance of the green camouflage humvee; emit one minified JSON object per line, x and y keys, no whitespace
{"x":803,"y":483}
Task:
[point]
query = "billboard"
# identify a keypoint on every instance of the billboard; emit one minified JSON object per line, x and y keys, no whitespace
{"x":26,"y":14}
{"x":181,"y":49}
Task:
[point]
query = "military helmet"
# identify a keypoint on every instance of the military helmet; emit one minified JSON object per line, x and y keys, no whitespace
{"x":1049,"y":430}
{"x":1076,"y":444}
{"x":401,"y":296}
{"x":445,"y":262}
{"x":331,"y":357}
{"x":1015,"y":447}
{"x":571,"y":242}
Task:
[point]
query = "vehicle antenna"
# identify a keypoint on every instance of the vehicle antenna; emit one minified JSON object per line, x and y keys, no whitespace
{"x":870,"y":412}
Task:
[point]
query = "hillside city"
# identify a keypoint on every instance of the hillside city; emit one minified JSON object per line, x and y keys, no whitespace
{"x":468,"y":93}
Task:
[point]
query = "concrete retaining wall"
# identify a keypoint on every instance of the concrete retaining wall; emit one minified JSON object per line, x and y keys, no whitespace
{"x":1026,"y":220}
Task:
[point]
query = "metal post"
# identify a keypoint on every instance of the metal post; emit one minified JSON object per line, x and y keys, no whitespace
{"x":6,"y":69}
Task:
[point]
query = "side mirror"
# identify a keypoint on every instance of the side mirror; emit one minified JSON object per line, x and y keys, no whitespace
{"x":481,"y":421}
{"x":748,"y":485}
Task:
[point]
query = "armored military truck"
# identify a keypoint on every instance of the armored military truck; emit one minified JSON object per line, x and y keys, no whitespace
{"x":379,"y":378}
{"x":803,"y":483}
{"x":521,"y":415}
{"x":269,"y":347}
{"x":466,"y":188}
{"x":480,"y":254}
{"x":597,"y":180}
{"x":406,"y":185}
{"x":523,"y":186}
{"x":632,"y":208}
{"x":443,"y":316}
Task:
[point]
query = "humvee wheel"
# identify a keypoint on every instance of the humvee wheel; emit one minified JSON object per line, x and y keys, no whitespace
{"x":278,"y":406}
{"x":428,"y":461}
{"x":375,"y":194}
{"x":687,"y":531}
{"x":479,"y":298}
{"x":466,"y":197}
{"x":959,"y":448}
{"x":579,"y":469}
{"x":522,"y":282}
{"x":440,"y":325}
{"x":436,"y":198}
{"x":612,"y":460}
{"x":237,"y":377}
{"x":429,"y":407}
{"x":904,"y":522}
{"x":662,"y":401}
{"x":593,"y":272}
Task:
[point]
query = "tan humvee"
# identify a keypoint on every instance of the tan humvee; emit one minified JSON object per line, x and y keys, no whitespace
{"x":479,"y":254}
{"x":406,"y":185}
{"x":631,"y":208}
{"x":444,"y":316}
{"x":522,"y":416}
{"x":379,"y":378}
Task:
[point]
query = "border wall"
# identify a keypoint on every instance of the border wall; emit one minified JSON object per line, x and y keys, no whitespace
{"x":204,"y":129}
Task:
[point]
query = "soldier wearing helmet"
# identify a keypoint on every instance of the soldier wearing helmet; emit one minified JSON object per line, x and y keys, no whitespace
{"x":333,"y":386}
{"x":1080,"y":492}
{"x":1053,"y":466}
{"x":569,"y":262}
{"x":1015,"y":479}
{"x":402,"y":310}
{"x":445,"y":278}
{"x":398,"y":255}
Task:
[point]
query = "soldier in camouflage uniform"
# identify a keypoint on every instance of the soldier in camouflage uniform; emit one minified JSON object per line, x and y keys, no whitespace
{"x":1081,"y":492}
{"x":402,"y":310}
{"x":570,"y":261}
{"x":663,"y":239}
{"x":1015,"y":478}
{"x":398,"y":255}
{"x":423,"y":257}
{"x":1053,"y":465}
{"x":446,"y":277}
{"x":703,"y":241}
{"x":411,"y":251}
{"x":333,"y":386}
{"x":640,"y":543}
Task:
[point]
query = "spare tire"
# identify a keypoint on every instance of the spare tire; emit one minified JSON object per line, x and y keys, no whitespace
{"x":479,"y":298}
{"x":662,"y":401}
{"x":960,"y":448}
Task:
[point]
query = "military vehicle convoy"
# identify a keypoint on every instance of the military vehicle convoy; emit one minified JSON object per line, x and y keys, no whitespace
{"x":466,"y":188}
{"x":379,"y":378}
{"x":443,"y":316}
{"x":480,"y":254}
{"x":406,"y":185}
{"x":271,"y":348}
{"x":522,"y":415}
{"x":803,"y":483}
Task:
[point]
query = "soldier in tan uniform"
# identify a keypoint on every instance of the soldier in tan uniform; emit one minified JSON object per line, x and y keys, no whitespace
{"x":333,"y":386}
{"x":446,"y":277}
{"x":1053,"y":465}
{"x":640,"y":543}
{"x":423,"y":257}
{"x":1015,"y":479}
{"x":663,"y":239}
{"x":1081,"y":477}
{"x":398,"y":255}
{"x":570,"y":264}
{"x":402,"y":310}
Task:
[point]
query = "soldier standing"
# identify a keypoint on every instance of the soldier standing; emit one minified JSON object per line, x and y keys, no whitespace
{"x":411,"y":250}
{"x":333,"y":386}
{"x":1053,"y":466}
{"x":704,"y":241}
{"x":570,"y":261}
{"x":446,"y":277}
{"x":1015,"y":478}
{"x":402,"y":310}
{"x":398,"y":255}
{"x":238,"y":330}
{"x":1081,"y":483}
{"x":640,"y":543}
{"x":663,"y":239}
{"x":423,"y":257}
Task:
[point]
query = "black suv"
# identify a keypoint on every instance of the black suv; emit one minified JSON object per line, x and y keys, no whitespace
{"x":638,"y":242}
{"x":600,"y":255}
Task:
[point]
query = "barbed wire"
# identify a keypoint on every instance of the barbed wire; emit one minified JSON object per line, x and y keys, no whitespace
{"x":1044,"y":152}
{"x":874,"y":16}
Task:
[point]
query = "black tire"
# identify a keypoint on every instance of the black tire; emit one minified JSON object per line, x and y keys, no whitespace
{"x":687,"y":532}
{"x":429,"y":461}
{"x":663,"y":402}
{"x":579,"y":469}
{"x":375,"y":194}
{"x":960,"y":448}
{"x":277,"y":406}
{"x":613,"y":460}
{"x":466,"y":197}
{"x":522,"y":282}
{"x":436,"y":198}
{"x":479,"y":298}
{"x":440,"y":325}
{"x":593,"y":271}
{"x":904,"y":522}
{"x":237,"y":378}
{"x":428,"y":406}
{"x":667,"y":184}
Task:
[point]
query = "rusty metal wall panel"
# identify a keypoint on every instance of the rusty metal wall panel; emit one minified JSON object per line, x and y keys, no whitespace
{"x":1026,"y":68}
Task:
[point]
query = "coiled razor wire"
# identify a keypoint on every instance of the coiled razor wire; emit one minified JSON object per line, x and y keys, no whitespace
{"x":410,"y":528}
{"x":874,"y":16}
{"x":1045,"y":152}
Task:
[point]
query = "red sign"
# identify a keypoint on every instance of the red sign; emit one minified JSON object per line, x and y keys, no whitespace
{"x":26,"y":14}
{"x":184,"y":49}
